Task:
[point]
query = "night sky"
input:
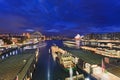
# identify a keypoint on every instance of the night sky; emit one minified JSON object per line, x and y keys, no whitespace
{"x":66,"y":17}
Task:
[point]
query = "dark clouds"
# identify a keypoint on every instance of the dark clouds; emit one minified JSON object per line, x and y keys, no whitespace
{"x":60,"y":16}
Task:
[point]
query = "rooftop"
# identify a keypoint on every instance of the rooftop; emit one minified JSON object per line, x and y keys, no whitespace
{"x":16,"y":65}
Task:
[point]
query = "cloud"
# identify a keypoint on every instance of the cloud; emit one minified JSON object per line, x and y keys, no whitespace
{"x":53,"y":30}
{"x":11,"y":23}
{"x":30,"y":30}
{"x":65,"y":25}
{"x":75,"y":16}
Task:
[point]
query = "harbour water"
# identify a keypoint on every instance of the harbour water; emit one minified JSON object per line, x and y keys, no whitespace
{"x":48,"y":69}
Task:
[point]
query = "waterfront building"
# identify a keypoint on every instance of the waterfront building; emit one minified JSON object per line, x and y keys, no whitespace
{"x":14,"y":41}
{"x":1,"y":42}
{"x":77,"y":40}
{"x":103,"y":36}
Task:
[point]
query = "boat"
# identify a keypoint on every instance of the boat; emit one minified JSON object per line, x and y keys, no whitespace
{"x":66,"y":61}
{"x":64,"y":58}
{"x":73,"y":43}
{"x":69,"y":43}
{"x":42,"y":44}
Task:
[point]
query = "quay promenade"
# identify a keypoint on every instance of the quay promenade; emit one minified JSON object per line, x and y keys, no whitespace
{"x":19,"y":66}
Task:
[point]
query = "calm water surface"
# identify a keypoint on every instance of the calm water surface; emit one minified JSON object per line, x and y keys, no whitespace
{"x":46,"y":68}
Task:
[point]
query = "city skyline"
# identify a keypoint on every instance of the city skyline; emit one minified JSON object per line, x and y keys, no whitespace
{"x":66,"y":17}
{"x":59,"y":39}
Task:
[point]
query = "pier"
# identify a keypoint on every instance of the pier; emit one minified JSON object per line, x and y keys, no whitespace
{"x":92,"y":64}
{"x":56,"y":49}
{"x":19,"y":66}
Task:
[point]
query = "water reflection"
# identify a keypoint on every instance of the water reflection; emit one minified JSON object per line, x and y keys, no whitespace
{"x":48,"y":72}
{"x":47,"y":68}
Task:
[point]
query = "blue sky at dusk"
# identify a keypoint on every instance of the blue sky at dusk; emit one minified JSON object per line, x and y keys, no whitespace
{"x":60,"y":16}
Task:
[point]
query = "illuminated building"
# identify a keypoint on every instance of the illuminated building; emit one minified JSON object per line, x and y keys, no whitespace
{"x":77,"y":40}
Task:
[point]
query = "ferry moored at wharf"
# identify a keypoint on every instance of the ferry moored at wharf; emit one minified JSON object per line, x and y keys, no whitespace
{"x":64,"y":58}
{"x":67,"y":61}
{"x":96,"y":56}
